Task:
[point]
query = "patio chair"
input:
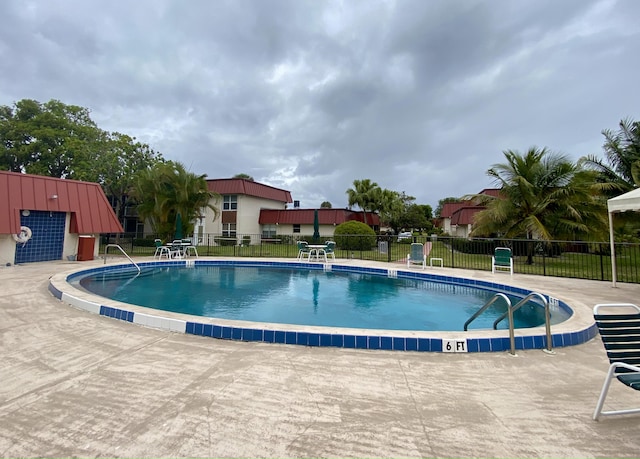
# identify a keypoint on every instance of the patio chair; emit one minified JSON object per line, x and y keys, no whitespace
{"x":303,"y":249}
{"x":329,"y":250}
{"x":619,"y":327}
{"x":177,"y":249}
{"x":161,"y":250}
{"x":502,"y":260}
{"x":417,"y":255}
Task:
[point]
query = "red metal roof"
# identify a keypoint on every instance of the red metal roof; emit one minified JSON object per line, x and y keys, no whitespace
{"x":464,"y":216}
{"x":306,"y":216}
{"x":495,"y":192}
{"x":249,"y":188}
{"x":448,"y":208}
{"x":90,"y":210}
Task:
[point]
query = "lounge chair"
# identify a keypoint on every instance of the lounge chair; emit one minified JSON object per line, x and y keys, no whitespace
{"x":502,"y":260}
{"x":329,"y":250}
{"x":417,"y":255}
{"x":303,"y":250}
{"x":619,"y":326}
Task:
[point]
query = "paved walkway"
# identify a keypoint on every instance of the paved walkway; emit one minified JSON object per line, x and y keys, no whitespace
{"x":76,"y":384}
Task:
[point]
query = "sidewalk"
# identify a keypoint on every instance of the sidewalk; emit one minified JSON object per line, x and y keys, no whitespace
{"x":77,"y":384}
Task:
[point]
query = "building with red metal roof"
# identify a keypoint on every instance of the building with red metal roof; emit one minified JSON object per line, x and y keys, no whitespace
{"x":250,"y":188}
{"x":300,"y":221}
{"x":43,"y":218}
{"x":456,"y":218}
{"x":256,"y":211}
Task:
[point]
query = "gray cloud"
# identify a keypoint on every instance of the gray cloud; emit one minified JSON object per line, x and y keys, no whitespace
{"x":419,"y":96}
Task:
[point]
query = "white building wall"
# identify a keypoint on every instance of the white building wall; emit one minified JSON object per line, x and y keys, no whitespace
{"x":249,"y":213}
{"x":7,"y":249}
{"x":460,"y":230}
{"x":446,"y":225}
{"x":247,"y":216}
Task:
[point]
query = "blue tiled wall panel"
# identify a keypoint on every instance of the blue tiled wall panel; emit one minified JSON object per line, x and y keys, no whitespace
{"x":47,"y":237}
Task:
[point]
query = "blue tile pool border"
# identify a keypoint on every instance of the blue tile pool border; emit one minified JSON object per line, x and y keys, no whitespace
{"x":365,"y":340}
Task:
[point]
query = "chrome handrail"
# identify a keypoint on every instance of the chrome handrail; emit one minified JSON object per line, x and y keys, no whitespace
{"x":123,"y":252}
{"x":519,"y":304}
{"x":493,"y":299}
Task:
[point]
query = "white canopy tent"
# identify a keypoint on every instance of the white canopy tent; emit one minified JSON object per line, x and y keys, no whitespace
{"x":627,"y":202}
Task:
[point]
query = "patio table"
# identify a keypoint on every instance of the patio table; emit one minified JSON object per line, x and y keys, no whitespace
{"x":317,"y":250}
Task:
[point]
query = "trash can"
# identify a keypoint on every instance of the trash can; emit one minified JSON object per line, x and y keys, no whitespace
{"x":86,"y":246}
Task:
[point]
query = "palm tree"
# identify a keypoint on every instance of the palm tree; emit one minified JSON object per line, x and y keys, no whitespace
{"x":621,"y":171}
{"x":168,"y":189}
{"x":364,"y":194}
{"x":543,"y":195}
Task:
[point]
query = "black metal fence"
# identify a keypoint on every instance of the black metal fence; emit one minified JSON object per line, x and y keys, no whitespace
{"x":575,"y":259}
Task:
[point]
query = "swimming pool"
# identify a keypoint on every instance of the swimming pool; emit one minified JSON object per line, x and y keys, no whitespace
{"x":311,"y":297}
{"x":407,"y":340}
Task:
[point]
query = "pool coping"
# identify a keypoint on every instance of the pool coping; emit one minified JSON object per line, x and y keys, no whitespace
{"x":577,"y":329}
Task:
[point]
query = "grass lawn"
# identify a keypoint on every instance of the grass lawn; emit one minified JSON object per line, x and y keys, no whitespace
{"x":568,"y":264}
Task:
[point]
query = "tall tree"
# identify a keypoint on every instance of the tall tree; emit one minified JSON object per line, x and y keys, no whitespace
{"x":166,"y":189}
{"x":244,"y":176}
{"x":364,"y":194}
{"x":325,"y":205}
{"x":51,"y":139}
{"x":392,"y":206}
{"x":620,"y":171}
{"x":62,"y":141}
{"x":121,"y":158}
{"x":543,"y":195}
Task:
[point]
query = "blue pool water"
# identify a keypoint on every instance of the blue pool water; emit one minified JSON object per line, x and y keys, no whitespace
{"x":309,"y":297}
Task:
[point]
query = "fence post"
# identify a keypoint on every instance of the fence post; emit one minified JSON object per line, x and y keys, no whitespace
{"x":453,"y":265}
{"x":601,"y":262}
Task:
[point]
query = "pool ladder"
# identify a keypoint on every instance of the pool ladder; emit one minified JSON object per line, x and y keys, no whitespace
{"x":106,"y":248}
{"x":510,"y":310}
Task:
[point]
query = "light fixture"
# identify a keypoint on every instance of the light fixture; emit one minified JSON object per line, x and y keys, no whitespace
{"x":54,"y":196}
{"x":26,"y":213}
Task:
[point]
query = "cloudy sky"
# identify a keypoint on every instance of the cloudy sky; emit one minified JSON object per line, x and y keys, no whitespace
{"x":420,"y":96}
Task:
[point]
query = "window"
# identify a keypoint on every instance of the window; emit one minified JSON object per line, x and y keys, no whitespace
{"x":296,"y":228}
{"x":230,"y":202}
{"x":268,"y":231}
{"x":228,"y":230}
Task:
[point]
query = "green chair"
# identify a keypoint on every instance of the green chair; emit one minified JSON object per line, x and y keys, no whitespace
{"x":329,"y":250}
{"x":502,"y":260}
{"x":619,"y":327}
{"x":417,"y":255}
{"x":303,"y":249}
{"x":161,"y":250}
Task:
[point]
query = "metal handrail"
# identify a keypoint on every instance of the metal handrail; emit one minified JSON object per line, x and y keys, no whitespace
{"x":518,"y":305}
{"x":106,"y":247}
{"x":493,"y":299}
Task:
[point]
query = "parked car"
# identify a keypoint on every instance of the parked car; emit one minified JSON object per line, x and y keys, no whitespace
{"x":405,"y":235}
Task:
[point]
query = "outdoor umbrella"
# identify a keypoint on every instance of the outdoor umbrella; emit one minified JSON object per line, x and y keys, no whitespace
{"x":316,"y":227}
{"x":178,"y":234}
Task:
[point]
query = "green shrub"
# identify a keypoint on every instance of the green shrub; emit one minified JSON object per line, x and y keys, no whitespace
{"x":354,"y":235}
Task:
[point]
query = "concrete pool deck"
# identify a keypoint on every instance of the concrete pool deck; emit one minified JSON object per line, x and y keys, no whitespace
{"x":78,"y":384}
